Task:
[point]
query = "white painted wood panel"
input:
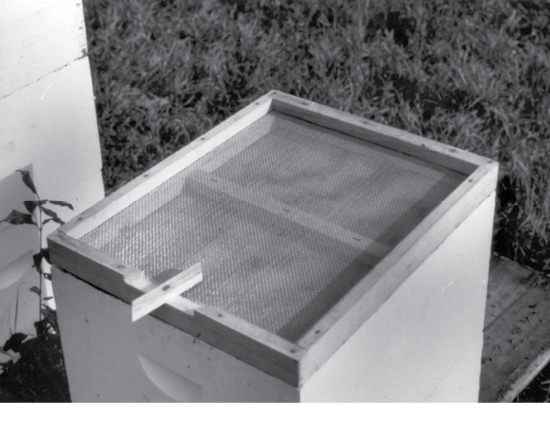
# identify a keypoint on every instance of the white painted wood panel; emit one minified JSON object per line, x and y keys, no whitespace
{"x":53,"y":125}
{"x":15,"y":11}
{"x":422,"y":332}
{"x":47,"y":124}
{"x":456,"y":387}
{"x":13,"y":192}
{"x":12,"y":273}
{"x":15,"y":241}
{"x":37,"y":38}
{"x":110,"y":359}
{"x":16,"y":279}
{"x":18,"y":293}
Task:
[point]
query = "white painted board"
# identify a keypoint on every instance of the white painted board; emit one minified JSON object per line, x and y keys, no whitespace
{"x":38,"y":38}
{"x":435,"y":319}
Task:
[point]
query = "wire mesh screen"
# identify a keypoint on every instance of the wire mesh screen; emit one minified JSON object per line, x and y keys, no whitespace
{"x":286,"y":217}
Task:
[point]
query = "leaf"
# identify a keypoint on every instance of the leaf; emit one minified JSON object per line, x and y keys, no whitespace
{"x":52,"y":214}
{"x":26,"y":176}
{"x":31,"y":205}
{"x":62,"y":204}
{"x":37,"y":259}
{"x":14,"y":342}
{"x":36,"y":290}
{"x":46,"y":255}
{"x":47,"y":298}
{"x":17,"y":217}
{"x":41,"y":328}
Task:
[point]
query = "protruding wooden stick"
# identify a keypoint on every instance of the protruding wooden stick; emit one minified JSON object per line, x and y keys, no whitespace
{"x":166,"y":291}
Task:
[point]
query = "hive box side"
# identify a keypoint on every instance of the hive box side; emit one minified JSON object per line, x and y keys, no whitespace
{"x":110,"y":359}
{"x":424,"y":343}
{"x":363,"y":301}
{"x":341,"y":321}
{"x":266,"y":351}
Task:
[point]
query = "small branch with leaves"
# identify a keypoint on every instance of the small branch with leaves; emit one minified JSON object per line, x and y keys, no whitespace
{"x":18,"y":218}
{"x":39,"y":374}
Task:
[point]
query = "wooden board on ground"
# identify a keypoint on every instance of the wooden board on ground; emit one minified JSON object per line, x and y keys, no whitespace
{"x":516,"y":334}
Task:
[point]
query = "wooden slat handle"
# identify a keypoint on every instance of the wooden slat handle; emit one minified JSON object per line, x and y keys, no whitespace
{"x":166,"y":291}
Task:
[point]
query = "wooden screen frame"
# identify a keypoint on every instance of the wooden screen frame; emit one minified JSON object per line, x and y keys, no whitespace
{"x":291,"y":362}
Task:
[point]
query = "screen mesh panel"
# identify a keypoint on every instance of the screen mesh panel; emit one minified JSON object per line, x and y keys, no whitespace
{"x":285,"y":217}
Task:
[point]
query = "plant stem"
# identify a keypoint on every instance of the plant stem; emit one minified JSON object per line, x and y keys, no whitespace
{"x":40,"y":227}
{"x":16,"y":309}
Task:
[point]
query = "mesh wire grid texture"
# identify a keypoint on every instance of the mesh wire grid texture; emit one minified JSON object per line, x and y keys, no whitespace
{"x":286,"y":217}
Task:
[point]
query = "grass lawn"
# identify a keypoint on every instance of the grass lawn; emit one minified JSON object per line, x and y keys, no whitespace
{"x":472,"y":74}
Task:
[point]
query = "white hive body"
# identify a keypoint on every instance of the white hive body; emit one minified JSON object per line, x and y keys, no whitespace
{"x":309,"y":225}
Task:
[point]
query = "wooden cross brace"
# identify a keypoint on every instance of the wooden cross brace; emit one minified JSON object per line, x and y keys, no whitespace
{"x":166,"y":291}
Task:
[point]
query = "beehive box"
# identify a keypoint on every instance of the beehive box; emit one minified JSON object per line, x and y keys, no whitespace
{"x":341,"y":260}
